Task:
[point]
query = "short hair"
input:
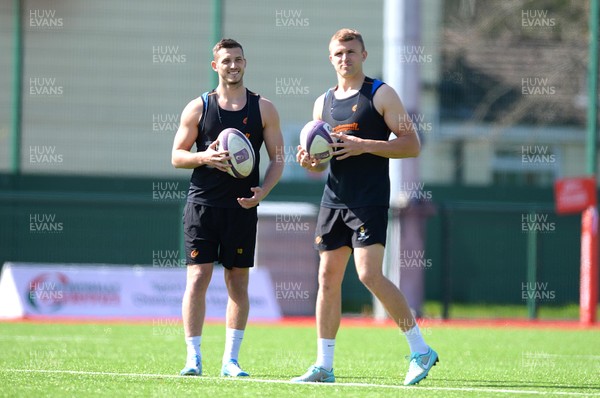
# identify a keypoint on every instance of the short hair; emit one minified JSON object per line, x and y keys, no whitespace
{"x":346,"y":34}
{"x":226,"y":43}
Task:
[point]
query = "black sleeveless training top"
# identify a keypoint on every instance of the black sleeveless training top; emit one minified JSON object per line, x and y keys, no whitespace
{"x":210,"y":186}
{"x":362,"y":180}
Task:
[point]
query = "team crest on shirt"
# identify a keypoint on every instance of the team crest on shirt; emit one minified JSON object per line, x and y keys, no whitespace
{"x":239,"y":250}
{"x":362,"y":234}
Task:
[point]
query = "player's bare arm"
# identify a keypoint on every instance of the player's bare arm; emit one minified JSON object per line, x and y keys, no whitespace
{"x":302,"y":156}
{"x":181,"y":155}
{"x":406,"y":143}
{"x":274,"y":144}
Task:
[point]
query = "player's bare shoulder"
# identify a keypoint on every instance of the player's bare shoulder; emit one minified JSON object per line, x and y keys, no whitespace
{"x":318,"y":107}
{"x":193,"y":110}
{"x":268,"y":112}
{"x":266,"y":104}
{"x":385,"y":97}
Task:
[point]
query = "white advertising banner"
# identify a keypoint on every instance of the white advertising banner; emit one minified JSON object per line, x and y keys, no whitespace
{"x":90,"y":290}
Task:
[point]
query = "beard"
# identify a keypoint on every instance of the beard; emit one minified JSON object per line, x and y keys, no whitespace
{"x":233,"y":81}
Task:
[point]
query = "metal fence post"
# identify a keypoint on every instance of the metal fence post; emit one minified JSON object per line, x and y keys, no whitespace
{"x":532,"y":271}
{"x":446,"y":272}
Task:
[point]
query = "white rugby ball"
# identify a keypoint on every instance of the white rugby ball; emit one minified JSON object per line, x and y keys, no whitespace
{"x":315,"y":139}
{"x":240,"y":151}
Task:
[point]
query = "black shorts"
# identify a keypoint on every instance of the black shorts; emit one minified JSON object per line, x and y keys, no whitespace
{"x":359,"y":227}
{"x":215,"y":234}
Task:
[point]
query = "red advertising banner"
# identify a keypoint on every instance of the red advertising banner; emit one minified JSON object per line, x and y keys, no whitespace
{"x":573,"y":195}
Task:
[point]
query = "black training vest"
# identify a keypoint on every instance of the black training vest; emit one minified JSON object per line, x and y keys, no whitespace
{"x":210,"y":186}
{"x":362,"y":180}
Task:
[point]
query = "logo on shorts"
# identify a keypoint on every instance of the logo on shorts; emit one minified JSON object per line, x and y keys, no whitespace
{"x":362,"y":234}
{"x":239,"y":250}
{"x":194,"y":253}
{"x":318,"y":240}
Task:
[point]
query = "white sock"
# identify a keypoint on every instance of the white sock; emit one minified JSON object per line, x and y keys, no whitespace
{"x":325,"y":348}
{"x":193,"y":349}
{"x":415,"y":340}
{"x":233,"y":342}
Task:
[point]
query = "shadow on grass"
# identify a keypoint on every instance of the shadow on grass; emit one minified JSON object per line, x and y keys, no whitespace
{"x":346,"y":379}
{"x":518,"y":384}
{"x":434,"y":382}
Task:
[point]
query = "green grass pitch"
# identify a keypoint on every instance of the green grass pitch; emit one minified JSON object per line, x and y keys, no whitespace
{"x":130,"y":360}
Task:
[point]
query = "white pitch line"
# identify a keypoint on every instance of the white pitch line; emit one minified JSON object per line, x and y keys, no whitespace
{"x":535,"y":355}
{"x":70,"y":338}
{"x":250,"y":380}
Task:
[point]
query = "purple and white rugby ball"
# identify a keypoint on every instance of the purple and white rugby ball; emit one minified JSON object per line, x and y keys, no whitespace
{"x":240,"y":150}
{"x":315,"y":139}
